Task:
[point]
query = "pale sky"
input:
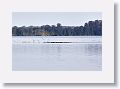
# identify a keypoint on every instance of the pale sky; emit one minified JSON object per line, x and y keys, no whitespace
{"x":52,"y":18}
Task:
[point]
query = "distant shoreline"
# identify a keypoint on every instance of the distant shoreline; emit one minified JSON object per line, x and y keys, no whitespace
{"x":91,"y":28}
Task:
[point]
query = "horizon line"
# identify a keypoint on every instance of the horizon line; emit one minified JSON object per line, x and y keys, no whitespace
{"x":55,"y":24}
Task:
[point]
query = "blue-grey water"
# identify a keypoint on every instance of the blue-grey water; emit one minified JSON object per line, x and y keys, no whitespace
{"x":57,"y":56}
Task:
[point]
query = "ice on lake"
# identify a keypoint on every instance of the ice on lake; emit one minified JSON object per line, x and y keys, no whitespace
{"x":31,"y":54}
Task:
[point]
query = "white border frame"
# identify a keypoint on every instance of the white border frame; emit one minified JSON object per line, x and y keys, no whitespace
{"x":104,"y":76}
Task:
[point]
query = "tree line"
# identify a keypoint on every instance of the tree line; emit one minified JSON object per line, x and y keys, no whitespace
{"x":92,"y":28}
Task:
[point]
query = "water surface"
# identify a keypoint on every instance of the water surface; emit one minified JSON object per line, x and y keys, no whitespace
{"x":57,"y":56}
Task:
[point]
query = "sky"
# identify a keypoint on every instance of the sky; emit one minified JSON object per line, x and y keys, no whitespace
{"x":52,"y":18}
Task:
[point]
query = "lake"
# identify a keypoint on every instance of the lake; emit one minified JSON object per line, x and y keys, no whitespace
{"x":36,"y":53}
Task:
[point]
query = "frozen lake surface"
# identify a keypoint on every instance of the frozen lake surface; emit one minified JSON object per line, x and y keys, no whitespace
{"x":32,"y":54}
{"x":42,"y":39}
